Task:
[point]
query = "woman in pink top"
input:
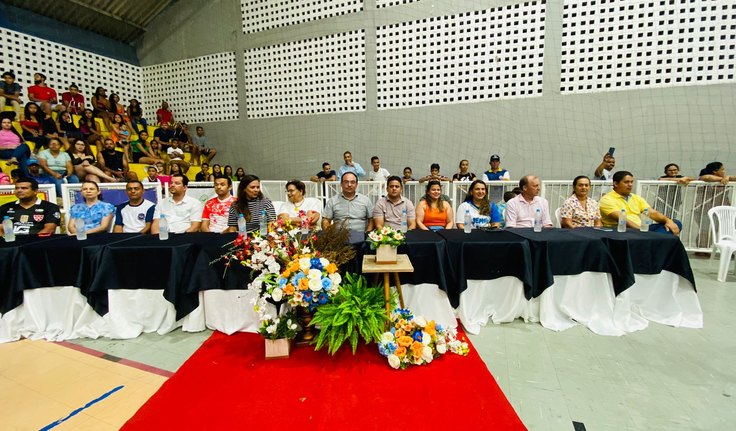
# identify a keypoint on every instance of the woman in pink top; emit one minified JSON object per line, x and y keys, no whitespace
{"x":12,"y":147}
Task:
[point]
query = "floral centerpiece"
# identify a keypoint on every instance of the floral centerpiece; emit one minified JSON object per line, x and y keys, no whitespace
{"x":386,"y":236}
{"x":412,"y":340}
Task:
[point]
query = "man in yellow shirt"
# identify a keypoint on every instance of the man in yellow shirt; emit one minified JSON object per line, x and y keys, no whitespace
{"x":622,"y":198}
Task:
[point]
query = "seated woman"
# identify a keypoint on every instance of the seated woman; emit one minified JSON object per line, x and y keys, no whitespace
{"x":135,"y":113}
{"x":228,"y":171}
{"x":96,"y":214}
{"x":67,"y":127}
{"x":579,"y":210}
{"x":251,"y":203}
{"x":483,"y":212}
{"x":464,"y":174}
{"x":311,"y":207}
{"x":216,"y":171}
{"x":57,"y":164}
{"x":433,"y":212}
{"x":84,"y":164}
{"x":141,"y":151}
{"x":121,"y":135}
{"x":89,"y":129}
{"x":239,"y":174}
{"x":12,"y":147}
{"x":31,"y":125}
{"x":49,"y":126}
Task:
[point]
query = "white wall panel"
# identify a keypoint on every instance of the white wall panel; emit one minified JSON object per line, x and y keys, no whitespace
{"x":261,"y":15}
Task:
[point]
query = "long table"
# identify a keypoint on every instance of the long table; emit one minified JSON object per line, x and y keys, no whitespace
{"x":558,"y":277}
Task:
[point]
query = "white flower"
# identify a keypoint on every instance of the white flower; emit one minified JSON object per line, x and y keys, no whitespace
{"x":387,"y":337}
{"x":398,"y":236}
{"x":373,"y":236}
{"x":419,"y":320}
{"x":306,"y":250}
{"x":274,"y":267}
{"x":315,"y":284}
{"x":394,"y":361}
{"x":427,"y":354}
{"x":336,"y":279}
{"x":378,"y":238}
{"x":271,"y":328}
{"x":441,"y":348}
{"x":314,"y":274}
{"x":277,"y":294}
{"x":324,"y":262}
{"x":304,"y":263}
{"x":386,"y":230}
{"x":293,"y":326}
{"x":426,"y":338}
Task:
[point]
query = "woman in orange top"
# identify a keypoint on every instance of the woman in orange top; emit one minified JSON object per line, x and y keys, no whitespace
{"x":434,"y":213}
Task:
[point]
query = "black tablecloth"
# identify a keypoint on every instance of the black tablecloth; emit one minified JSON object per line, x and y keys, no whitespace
{"x":485,"y":255}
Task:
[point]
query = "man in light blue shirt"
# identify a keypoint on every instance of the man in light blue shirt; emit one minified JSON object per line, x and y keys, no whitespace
{"x":349,"y":166}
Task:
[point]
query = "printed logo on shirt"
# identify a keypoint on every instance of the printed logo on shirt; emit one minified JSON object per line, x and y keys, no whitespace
{"x":24,"y":218}
{"x":57,"y":214}
{"x":141,"y":216}
{"x":38,"y":218}
{"x":38,"y":210}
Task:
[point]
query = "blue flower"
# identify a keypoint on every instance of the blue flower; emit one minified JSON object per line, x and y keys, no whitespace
{"x":299,"y":275}
{"x":316,"y":264}
{"x":438,"y":327}
{"x":282,"y":282}
{"x":307,"y":296}
{"x":417,"y":336}
{"x":322,"y":298}
{"x":382,"y":350}
{"x":326,"y":283}
{"x":391,"y":347}
{"x":393,"y":330}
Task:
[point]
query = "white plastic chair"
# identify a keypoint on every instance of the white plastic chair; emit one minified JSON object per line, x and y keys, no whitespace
{"x":724,"y":237}
{"x":558,"y":221}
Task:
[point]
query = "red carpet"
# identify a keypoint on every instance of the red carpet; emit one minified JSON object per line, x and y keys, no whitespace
{"x":227,"y":385}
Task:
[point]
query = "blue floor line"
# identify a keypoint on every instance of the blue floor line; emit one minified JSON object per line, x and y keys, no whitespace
{"x":86,"y":406}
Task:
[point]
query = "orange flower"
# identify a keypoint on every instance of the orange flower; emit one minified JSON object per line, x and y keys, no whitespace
{"x":399,"y":333}
{"x":286,"y":273}
{"x":404,"y":341}
{"x":400,"y":351}
{"x":417,"y":348}
{"x":303,"y":283}
{"x":331,"y":268}
{"x":293,"y":266}
{"x":289,"y":289}
{"x":430,"y":328}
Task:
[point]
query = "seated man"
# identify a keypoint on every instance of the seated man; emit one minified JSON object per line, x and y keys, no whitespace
{"x":326,"y":174}
{"x":112,"y":162}
{"x":176,"y":155}
{"x":389,"y":209}
{"x":163,"y":135}
{"x":434,"y":174}
{"x":496,"y":173}
{"x":349,"y":207}
{"x":200,"y":149}
{"x":40,"y":92}
{"x":521,"y":209}
{"x":30,"y":214}
{"x":204,"y":173}
{"x":73,"y":100}
{"x":10,"y":93}
{"x":183,"y":213}
{"x":217,"y":209}
{"x":621,"y":197}
{"x":136,"y":215}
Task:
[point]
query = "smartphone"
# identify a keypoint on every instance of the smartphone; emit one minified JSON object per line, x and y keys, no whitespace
{"x":611,"y":150}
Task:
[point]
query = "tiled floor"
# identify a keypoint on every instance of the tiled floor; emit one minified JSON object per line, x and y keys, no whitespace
{"x":661,"y":378}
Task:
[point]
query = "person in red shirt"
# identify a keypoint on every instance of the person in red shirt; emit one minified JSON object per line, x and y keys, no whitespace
{"x":72,"y":100}
{"x":40,"y":92}
{"x":163,"y":115}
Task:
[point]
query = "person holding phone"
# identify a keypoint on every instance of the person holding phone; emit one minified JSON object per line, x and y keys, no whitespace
{"x":604,"y":171}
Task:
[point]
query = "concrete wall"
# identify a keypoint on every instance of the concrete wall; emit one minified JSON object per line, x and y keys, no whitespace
{"x":554,"y":136}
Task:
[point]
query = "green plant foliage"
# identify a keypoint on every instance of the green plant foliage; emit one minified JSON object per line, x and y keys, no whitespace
{"x":358,"y":310}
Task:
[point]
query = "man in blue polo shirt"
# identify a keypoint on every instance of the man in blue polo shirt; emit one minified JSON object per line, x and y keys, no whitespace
{"x":496,"y":173}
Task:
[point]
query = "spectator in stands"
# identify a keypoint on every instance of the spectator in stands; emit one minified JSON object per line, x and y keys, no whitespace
{"x":621,"y":197}
{"x":49,"y":126}
{"x":496,"y":173}
{"x":326,"y":174}
{"x":228,"y":172}
{"x":163,"y":115}
{"x":57,"y":164}
{"x":709,"y":197}
{"x":30,"y":214}
{"x":672,"y":173}
{"x":217,"y":209}
{"x":12,"y":146}
{"x":10,"y":93}
{"x":520,"y":210}
{"x":4,"y":178}
{"x":464,"y":174}
{"x":135,"y":114}
{"x":120,"y":133}
{"x":252,"y":204}
{"x":204,"y":173}
{"x":349,"y":166}
{"x":604,"y":171}
{"x":152,"y":175}
{"x":96,"y":213}
{"x":183,"y":213}
{"x":484,"y":212}
{"x":117,"y":108}
{"x":136,"y":215}
{"x":141,"y":151}
{"x":389,"y":209}
{"x":68,"y":129}
{"x":407,"y":175}
{"x":434,"y":174}
{"x":101,"y":107}
{"x":433,"y":212}
{"x":15,"y":174}
{"x":40,"y":92}
{"x":349,"y":207}
{"x":216,"y":171}
{"x":239,"y":174}
{"x":181,"y":132}
{"x":90,"y":130}
{"x":507,"y":196}
{"x":579,"y":210}
{"x":112,"y":162}
{"x":84,"y":163}
{"x":299,"y":208}
{"x":31,"y":125}
{"x":131,"y":176}
{"x":73,"y":101}
{"x":378,"y":173}
{"x":200,"y":147}
{"x":163,"y":135}
{"x":176,"y":156}
{"x":34,"y":171}
{"x":159,"y":155}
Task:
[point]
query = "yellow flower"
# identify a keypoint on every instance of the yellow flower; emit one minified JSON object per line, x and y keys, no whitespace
{"x":289,"y":289}
{"x":400,"y":351}
{"x":303,"y":283}
{"x":430,"y":328}
{"x":417,"y":349}
{"x":404,"y":341}
{"x":331,"y":268}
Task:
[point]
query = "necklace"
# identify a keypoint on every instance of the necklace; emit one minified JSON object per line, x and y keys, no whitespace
{"x":298,"y":205}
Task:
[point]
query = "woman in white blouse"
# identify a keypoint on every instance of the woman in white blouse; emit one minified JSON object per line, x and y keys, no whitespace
{"x":310,"y":208}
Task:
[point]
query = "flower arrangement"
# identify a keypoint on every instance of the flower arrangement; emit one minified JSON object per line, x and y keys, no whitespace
{"x":283,"y":326}
{"x":386,"y":236}
{"x":412,"y":340}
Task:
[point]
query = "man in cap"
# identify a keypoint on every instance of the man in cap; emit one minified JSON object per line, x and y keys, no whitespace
{"x":496,"y":173}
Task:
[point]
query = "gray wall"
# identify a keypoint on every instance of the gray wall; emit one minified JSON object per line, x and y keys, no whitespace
{"x":554,"y":136}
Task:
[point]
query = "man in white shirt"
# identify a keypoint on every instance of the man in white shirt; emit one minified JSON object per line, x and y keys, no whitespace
{"x":136,"y":215}
{"x":604,"y":171}
{"x":183,"y":213}
{"x":521,"y":209}
{"x":378,"y":173}
{"x":176,"y":154}
{"x":216,"y":210}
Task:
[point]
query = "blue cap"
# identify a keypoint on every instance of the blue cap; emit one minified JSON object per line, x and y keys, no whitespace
{"x":32,"y":162}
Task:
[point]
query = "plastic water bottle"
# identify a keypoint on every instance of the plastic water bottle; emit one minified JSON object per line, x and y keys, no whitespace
{"x":241,"y":223}
{"x":404,"y":223}
{"x":8,"y":231}
{"x":263,"y":224}
{"x":646,"y":221}
{"x":467,"y":222}
{"x":163,"y":228}
{"x":622,"y":221}
{"x":537,"y":220}
{"x":81,"y":229}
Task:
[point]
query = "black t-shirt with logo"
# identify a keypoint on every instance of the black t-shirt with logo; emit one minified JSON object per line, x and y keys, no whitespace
{"x":30,"y":221}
